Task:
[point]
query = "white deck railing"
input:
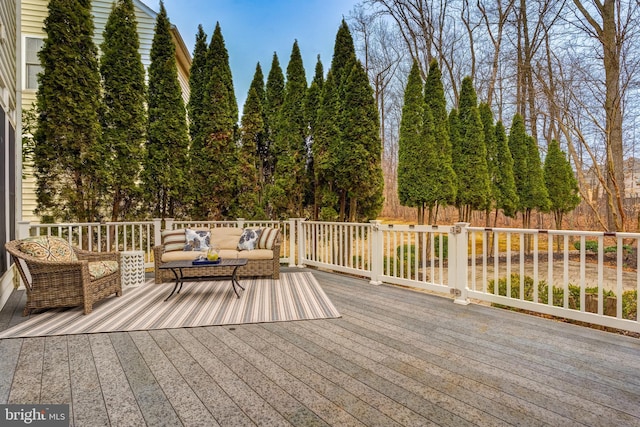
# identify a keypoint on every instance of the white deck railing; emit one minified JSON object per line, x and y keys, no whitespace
{"x":100,"y":236}
{"x":585,"y":276}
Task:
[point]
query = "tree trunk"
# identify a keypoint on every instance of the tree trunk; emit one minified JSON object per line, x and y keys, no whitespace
{"x":611,"y":38}
{"x":615,"y":173}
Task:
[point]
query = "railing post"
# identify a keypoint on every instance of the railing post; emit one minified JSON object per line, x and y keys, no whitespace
{"x":240,"y":222}
{"x":292,"y":242}
{"x":300,"y":241}
{"x":157,"y":231}
{"x":23,"y":229}
{"x":168,"y":223}
{"x":458,"y":261}
{"x":377,"y":259}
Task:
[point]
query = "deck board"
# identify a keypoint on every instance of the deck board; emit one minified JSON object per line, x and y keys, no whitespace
{"x":119,"y":398}
{"x":152,"y":400}
{"x":56,"y":381}
{"x":396,"y":357}
{"x":231,"y":400}
{"x":515,"y":380}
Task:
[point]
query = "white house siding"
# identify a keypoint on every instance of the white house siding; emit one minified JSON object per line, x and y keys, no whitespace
{"x":9,"y":154}
{"x":33,"y":14}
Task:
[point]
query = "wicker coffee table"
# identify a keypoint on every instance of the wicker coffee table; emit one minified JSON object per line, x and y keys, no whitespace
{"x":179,"y":267}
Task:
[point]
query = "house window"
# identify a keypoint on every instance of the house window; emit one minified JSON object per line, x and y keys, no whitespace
{"x":32,"y":62}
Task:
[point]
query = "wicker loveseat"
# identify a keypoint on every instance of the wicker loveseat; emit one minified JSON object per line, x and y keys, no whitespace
{"x":262,"y":261}
{"x":57,"y":274}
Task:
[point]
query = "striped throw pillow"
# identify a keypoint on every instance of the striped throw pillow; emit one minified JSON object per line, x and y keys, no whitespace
{"x":268,"y":237}
{"x":173,"y":240}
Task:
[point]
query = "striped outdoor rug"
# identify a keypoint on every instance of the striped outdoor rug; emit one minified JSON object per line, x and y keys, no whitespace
{"x":296,"y":296}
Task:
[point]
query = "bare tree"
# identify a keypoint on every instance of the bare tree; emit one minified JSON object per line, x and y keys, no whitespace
{"x":383,"y":54}
{"x":571,"y":67}
{"x":494,"y":18}
{"x":611,"y":23}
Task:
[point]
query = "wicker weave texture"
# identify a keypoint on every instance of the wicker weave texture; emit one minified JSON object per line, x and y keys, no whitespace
{"x":51,"y":284}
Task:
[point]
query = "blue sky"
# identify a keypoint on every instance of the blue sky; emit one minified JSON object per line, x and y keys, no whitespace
{"x":253,"y":30}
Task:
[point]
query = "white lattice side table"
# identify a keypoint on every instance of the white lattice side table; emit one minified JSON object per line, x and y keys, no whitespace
{"x":132,"y":268}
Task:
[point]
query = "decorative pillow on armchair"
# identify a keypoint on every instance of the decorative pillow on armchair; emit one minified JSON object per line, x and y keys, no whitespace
{"x":48,"y":248}
{"x":197,"y":240}
{"x":248,"y":239}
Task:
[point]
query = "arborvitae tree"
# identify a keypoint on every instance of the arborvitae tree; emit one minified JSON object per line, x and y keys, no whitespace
{"x":505,"y":194}
{"x":213,"y":151}
{"x":539,"y":194}
{"x":363,"y":180}
{"x":274,"y":97}
{"x":165,"y":176}
{"x":470,"y":154}
{"x":198,"y":79}
{"x":257,"y":84}
{"x":486,"y":117}
{"x":474,"y":187}
{"x":248,"y":178}
{"x":218,"y":57}
{"x":468,"y":99}
{"x":456,"y":147}
{"x":561,"y":183}
{"x":312,"y":101}
{"x":312,"y":105}
{"x":214,"y":167}
{"x":325,"y":150}
{"x":344,"y":53}
{"x":444,"y":182}
{"x":287,"y":193}
{"x":123,"y":112}
{"x":353,"y":119}
{"x":274,"y":94}
{"x":262,"y":147}
{"x":527,"y":170}
{"x":517,"y":146}
{"x":68,"y":159}
{"x":412,"y":172}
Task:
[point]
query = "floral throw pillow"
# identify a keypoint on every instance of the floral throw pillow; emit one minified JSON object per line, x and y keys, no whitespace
{"x":197,"y":240}
{"x":48,"y":248}
{"x":248,"y":239}
{"x":100,"y":269}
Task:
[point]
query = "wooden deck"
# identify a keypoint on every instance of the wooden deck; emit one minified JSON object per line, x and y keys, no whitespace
{"x":396,"y":357}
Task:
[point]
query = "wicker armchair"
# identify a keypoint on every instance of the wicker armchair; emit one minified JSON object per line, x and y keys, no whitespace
{"x":52,"y":284}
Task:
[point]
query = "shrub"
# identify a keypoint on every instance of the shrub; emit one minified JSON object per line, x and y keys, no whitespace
{"x":445,"y":245}
{"x":612,"y":249}
{"x":592,"y":246}
{"x":589,"y":245}
{"x":629,"y":298}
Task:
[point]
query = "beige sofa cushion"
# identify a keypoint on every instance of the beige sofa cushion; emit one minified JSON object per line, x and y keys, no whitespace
{"x":224,"y":254}
{"x":256,"y":254}
{"x":180,"y":256}
{"x":226,"y":237}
